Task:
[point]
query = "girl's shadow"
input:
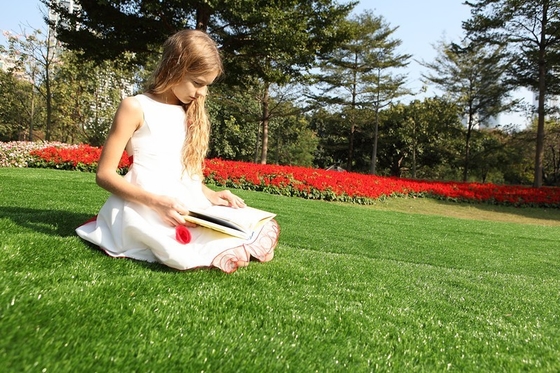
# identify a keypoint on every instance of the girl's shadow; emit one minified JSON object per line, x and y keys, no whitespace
{"x":50,"y":222}
{"x":62,"y":224}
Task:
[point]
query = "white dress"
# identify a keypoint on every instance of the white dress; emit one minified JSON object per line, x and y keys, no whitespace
{"x":127,"y":229}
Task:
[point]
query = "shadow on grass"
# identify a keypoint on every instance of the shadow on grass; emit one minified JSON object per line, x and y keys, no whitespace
{"x":537,"y":215}
{"x":51,"y":222}
{"x":63,"y":224}
{"x":477,"y":211}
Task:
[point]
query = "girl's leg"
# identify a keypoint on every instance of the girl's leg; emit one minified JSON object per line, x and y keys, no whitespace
{"x":231,"y":259}
{"x":263,"y":247}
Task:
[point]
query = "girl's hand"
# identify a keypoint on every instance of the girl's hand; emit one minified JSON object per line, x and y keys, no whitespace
{"x":171,"y":210}
{"x":226,"y":198}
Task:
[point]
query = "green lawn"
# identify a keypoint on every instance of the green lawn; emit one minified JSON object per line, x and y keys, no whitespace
{"x":390,"y":287}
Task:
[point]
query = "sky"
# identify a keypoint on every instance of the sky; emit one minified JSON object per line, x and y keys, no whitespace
{"x":420,"y":25}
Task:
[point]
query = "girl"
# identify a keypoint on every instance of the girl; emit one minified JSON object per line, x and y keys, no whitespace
{"x":166,"y":130}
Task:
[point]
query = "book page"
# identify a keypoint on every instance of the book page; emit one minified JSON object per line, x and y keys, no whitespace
{"x":244,"y":218}
{"x":238,"y":222}
{"x":219,"y":227}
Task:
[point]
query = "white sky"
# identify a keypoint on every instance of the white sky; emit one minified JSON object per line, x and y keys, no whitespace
{"x":421,"y":24}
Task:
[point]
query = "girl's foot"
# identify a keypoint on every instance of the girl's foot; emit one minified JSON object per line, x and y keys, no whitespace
{"x":231,"y":259}
{"x":262,"y":248}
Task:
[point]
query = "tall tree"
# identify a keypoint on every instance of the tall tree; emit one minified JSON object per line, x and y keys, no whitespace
{"x":235,"y":114}
{"x":432,"y":131}
{"x":18,"y":112}
{"x":420,"y":139}
{"x":531,"y":31}
{"x":331,"y":129}
{"x":86,"y":94}
{"x":473,"y":76}
{"x":359,"y":74}
{"x":551,"y":162}
{"x":272,"y":41}
{"x":276,"y":42}
{"x":36,"y":58}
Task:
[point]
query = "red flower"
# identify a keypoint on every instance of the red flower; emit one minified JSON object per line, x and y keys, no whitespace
{"x":182,"y":234}
{"x":319,"y":184}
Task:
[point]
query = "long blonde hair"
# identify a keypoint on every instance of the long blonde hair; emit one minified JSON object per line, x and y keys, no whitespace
{"x":189,"y":53}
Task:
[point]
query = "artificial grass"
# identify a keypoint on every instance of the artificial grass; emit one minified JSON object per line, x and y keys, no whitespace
{"x":351,"y":288}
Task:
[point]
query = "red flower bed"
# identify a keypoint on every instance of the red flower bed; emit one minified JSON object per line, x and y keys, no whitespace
{"x":360,"y":188}
{"x":79,"y":157}
{"x":318,"y":184}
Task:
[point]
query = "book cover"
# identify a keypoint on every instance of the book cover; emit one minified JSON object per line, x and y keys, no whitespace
{"x":238,"y":222}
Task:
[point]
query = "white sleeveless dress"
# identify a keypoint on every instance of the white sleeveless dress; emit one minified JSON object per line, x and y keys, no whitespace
{"x":127,"y":229}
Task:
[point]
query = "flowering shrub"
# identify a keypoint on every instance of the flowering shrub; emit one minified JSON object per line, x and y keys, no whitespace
{"x":17,"y":153}
{"x":360,"y":188}
{"x":292,"y":180}
{"x":71,"y":157}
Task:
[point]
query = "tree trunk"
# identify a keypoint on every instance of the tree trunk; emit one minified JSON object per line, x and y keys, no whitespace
{"x":49,"y":103}
{"x":265,"y":120}
{"x":257,"y":143}
{"x":350,"y":147}
{"x":32,"y":114}
{"x":470,"y":126}
{"x":373,"y":167}
{"x":414,"y":148}
{"x":539,"y":154}
{"x":203,"y":13}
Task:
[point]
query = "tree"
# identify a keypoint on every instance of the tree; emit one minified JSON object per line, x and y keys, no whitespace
{"x":419,"y":139}
{"x":331,"y":129}
{"x":274,"y":42}
{"x":17,"y":111}
{"x":551,"y":154}
{"x":235,"y":121}
{"x":473,"y":76}
{"x":358,"y":74}
{"x":551,"y":163}
{"x":531,"y":31}
{"x":294,"y":141}
{"x":431,"y":131}
{"x":36,"y":59}
{"x":86,"y":95}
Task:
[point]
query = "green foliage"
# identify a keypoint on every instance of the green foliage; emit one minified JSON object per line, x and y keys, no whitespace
{"x":235,"y":114}
{"x":294,"y":142}
{"x":360,"y":75}
{"x":16,"y":103}
{"x":534,"y":50}
{"x":262,"y":39}
{"x":333,"y":138}
{"x":504,"y":22}
{"x":432,"y":133}
{"x":551,"y":156}
{"x":237,"y":119}
{"x":430,"y":129}
{"x":36,"y":59}
{"x":350,"y":75}
{"x":271,"y":42}
{"x":71,"y":100}
{"x":474,"y":77}
{"x":346,"y":291}
{"x":87,"y":97}
{"x":284,"y":35}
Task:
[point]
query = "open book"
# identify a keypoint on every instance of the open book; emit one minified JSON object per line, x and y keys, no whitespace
{"x":240,"y":222}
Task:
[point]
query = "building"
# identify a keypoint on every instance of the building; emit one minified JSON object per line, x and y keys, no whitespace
{"x":70,"y":5}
